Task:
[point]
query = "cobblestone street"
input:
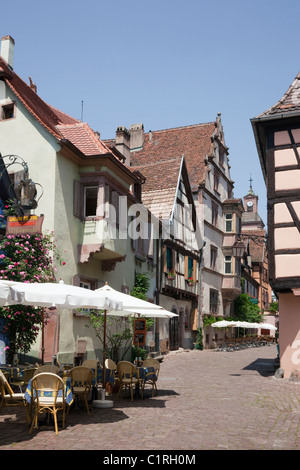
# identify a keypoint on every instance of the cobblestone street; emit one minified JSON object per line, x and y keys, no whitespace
{"x":207,"y":400}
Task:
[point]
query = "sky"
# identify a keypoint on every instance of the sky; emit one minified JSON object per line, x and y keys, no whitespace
{"x":163,"y":63}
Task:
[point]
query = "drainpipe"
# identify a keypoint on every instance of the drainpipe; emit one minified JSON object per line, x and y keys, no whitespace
{"x":199,"y":289}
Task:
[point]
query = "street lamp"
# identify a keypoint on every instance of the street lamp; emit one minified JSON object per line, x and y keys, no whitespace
{"x":25,"y":189}
{"x":238,"y":249}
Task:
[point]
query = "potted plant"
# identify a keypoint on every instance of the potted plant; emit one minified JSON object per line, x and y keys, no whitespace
{"x":191,"y":281}
{"x":171,"y":274}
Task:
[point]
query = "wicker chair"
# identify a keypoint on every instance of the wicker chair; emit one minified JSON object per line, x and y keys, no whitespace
{"x":47,"y":368}
{"x":110,"y":364}
{"x":152,"y":381}
{"x":127,"y":377}
{"x":9,"y":398}
{"x":48,"y":395}
{"x":91,"y":363}
{"x":81,"y":382}
{"x":24,"y":380}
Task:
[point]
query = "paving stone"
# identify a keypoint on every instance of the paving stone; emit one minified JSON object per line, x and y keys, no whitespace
{"x":207,"y":400}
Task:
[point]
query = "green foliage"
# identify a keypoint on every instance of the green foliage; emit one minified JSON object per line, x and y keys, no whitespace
{"x":274,"y":307}
{"x":138,"y":352}
{"x":141,"y":286}
{"x":117,"y":334}
{"x":140,"y":289}
{"x":209,"y":319}
{"x":245,"y":310}
{"x":199,"y":339}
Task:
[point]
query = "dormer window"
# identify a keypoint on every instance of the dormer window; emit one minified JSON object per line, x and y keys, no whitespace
{"x":7,"y":111}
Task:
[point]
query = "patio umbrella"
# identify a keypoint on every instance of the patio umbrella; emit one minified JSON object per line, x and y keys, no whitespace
{"x":58,"y":295}
{"x":5,"y":292}
{"x":61,"y":295}
{"x":131,"y":306}
{"x":268,"y":326}
{"x":222,"y":324}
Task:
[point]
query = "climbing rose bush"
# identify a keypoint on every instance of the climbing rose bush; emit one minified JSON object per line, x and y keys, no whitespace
{"x":26,"y":258}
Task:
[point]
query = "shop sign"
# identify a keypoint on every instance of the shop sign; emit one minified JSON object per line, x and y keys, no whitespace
{"x":26,"y":225}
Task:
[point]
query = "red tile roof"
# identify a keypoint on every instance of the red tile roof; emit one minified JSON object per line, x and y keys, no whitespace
{"x":194,"y":142}
{"x":159,"y":189}
{"x":84,"y":138}
{"x":58,"y":123}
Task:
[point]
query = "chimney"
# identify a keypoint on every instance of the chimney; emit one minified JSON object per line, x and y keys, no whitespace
{"x":123,"y":143}
{"x":7,"y":50}
{"x":137,"y":136}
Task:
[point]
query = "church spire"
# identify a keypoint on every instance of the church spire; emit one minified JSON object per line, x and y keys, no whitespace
{"x":250,"y":192}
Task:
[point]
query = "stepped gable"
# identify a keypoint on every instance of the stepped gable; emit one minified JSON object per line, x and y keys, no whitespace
{"x":194,"y":142}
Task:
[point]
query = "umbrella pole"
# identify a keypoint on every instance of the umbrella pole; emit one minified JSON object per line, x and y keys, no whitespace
{"x":43,"y":335}
{"x":104,"y":352}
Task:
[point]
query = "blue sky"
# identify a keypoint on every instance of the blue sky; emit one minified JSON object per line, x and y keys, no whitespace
{"x":165,"y":63}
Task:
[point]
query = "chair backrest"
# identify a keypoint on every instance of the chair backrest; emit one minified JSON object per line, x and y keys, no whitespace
{"x":110,"y":364}
{"x":46,"y":368}
{"x":47,"y":382}
{"x":28,"y":374}
{"x":151,"y":362}
{"x":125,"y":368}
{"x":91,"y":363}
{"x":5,"y":385}
{"x":81,"y":374}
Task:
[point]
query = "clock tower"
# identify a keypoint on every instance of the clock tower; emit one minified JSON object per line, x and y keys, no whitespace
{"x":250,"y":217}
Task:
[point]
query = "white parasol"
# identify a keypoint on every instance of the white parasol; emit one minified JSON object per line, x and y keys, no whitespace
{"x":133,"y":305}
{"x":61,"y":295}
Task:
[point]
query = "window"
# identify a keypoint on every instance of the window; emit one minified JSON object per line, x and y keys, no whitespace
{"x":228,"y":222}
{"x":228,"y":264}
{"x":190,"y":267}
{"x":213,"y":300}
{"x":216,"y":181}
{"x":214,"y":214}
{"x":213,"y":257}
{"x":169,"y":259}
{"x":7,"y":111}
{"x":90,"y":200}
{"x":221,"y":157}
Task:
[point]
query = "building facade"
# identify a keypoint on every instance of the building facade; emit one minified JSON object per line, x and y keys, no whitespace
{"x":277,"y":136}
{"x":88,"y":198}
{"x":218,"y":212}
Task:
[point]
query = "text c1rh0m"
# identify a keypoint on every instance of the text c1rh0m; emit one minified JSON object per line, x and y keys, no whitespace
{"x":171,"y":459}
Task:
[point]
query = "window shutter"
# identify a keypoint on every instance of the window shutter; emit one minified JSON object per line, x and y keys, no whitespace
{"x":164,"y":257}
{"x":195,"y":269}
{"x":78,"y":200}
{"x":186,"y":267}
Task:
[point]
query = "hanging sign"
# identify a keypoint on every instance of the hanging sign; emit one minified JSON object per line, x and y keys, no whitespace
{"x":26,"y":225}
{"x":139,"y":337}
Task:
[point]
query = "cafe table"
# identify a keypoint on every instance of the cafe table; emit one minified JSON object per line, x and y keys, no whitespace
{"x":15,"y":372}
{"x":143,"y":374}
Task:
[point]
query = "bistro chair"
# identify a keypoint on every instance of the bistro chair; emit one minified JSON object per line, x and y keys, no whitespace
{"x":127,"y":377}
{"x":9,"y":397}
{"x":81,"y":382}
{"x":110,"y":364}
{"x":23,"y":381}
{"x":152,"y":379}
{"x":91,"y":363}
{"x":47,"y":368}
{"x":48,"y":395}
